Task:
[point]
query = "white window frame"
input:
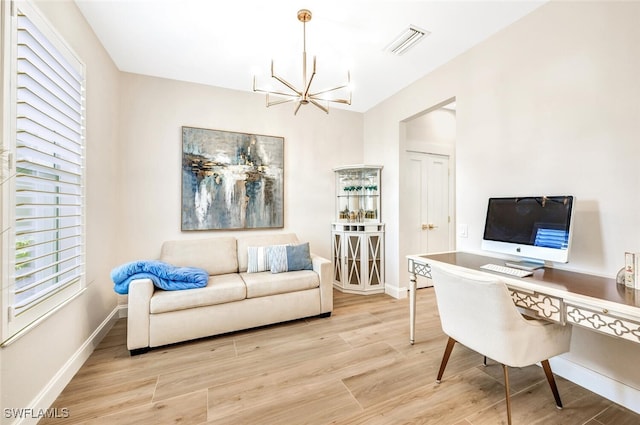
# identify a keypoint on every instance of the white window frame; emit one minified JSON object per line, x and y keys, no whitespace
{"x":13,"y":326}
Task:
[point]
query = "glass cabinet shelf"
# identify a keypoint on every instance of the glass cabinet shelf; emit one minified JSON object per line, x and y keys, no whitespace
{"x":358,"y":193}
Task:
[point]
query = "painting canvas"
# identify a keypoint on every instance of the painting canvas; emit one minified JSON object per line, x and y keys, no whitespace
{"x":231,"y":180}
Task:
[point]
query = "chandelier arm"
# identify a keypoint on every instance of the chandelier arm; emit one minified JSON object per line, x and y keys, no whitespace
{"x":279,"y":101}
{"x":313,"y":74}
{"x":283,"y":81}
{"x":341,"y":101}
{"x":277,"y":93}
{"x":318,"y":96}
{"x":297,"y":108}
{"x":268,"y":92}
{"x":319,"y":105}
{"x":344,"y":86}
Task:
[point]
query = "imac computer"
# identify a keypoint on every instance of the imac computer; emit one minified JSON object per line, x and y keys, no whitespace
{"x":537,"y":228}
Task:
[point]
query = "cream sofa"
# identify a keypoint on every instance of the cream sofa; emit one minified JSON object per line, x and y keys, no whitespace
{"x":232,"y":300}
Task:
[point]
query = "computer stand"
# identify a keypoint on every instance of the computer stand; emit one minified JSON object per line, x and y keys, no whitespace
{"x":530,"y":265}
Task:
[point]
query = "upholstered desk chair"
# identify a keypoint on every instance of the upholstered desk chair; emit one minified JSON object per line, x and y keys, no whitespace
{"x":477,"y":311}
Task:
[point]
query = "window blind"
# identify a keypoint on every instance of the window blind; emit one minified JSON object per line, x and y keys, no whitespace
{"x":49,"y":166}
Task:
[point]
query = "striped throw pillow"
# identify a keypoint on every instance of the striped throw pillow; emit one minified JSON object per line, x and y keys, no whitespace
{"x":258,"y":259}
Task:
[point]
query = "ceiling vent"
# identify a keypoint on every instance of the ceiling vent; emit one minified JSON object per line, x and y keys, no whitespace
{"x":407,"y":39}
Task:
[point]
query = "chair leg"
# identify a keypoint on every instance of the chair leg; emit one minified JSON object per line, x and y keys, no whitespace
{"x":484,"y":361}
{"x":552,"y":382}
{"x":506,"y":392}
{"x":445,"y":358}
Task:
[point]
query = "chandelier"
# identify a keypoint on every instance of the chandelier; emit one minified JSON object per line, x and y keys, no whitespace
{"x":304,"y":96}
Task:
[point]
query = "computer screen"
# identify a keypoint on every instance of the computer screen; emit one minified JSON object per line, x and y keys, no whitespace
{"x":538,"y":228}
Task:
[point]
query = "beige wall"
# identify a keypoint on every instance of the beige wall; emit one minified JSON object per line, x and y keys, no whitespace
{"x":152,"y":113}
{"x":35,"y":367}
{"x":548,"y":105}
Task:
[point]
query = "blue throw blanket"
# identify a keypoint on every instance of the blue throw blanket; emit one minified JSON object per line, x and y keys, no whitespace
{"x":163,"y":275}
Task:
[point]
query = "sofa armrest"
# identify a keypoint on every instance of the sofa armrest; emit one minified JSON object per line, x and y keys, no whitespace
{"x":140,"y":292}
{"x":322,"y":266}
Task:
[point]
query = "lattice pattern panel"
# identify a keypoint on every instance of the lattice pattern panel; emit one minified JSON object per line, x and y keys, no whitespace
{"x":353,"y":260}
{"x":420,"y":269}
{"x":545,"y":306}
{"x":375,"y":253}
{"x":605,"y":322}
{"x":337,"y":258}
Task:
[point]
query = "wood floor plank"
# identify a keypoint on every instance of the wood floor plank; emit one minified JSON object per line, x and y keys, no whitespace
{"x":229,"y":399}
{"x":314,"y":328}
{"x":95,"y":401}
{"x":188,"y":409}
{"x":391,"y":332}
{"x":176,"y":358}
{"x":433,"y":403}
{"x":247,"y":365}
{"x":377,"y":385}
{"x":321,"y":403}
{"x":617,"y":415}
{"x":535,"y":406}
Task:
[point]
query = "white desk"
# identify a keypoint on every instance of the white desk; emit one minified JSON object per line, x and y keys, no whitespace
{"x":561,"y":296}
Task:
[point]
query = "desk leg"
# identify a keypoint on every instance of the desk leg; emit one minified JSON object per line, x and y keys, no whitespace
{"x":412,"y":307}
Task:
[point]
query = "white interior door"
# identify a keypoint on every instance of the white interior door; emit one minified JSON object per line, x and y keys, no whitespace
{"x":428,"y":212}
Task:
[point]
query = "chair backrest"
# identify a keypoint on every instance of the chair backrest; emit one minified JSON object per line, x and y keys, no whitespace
{"x":477,"y":311}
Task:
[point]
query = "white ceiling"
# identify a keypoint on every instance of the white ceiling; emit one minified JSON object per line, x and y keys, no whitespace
{"x":225,"y":43}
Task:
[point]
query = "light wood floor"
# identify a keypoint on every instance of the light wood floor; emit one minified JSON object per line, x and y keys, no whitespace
{"x":356,"y":367}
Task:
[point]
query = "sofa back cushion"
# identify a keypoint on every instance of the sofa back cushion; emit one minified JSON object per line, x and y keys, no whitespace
{"x":215,"y":255}
{"x":261,"y":240}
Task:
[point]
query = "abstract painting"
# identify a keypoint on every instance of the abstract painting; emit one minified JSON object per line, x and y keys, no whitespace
{"x":231,"y":180}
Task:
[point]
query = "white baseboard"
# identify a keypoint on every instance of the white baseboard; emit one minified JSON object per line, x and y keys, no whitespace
{"x":608,"y":388}
{"x":397,"y":292}
{"x":403,"y":291}
{"x":52,"y":390}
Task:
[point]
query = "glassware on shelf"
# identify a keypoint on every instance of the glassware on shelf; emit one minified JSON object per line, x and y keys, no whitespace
{"x":357,"y":193}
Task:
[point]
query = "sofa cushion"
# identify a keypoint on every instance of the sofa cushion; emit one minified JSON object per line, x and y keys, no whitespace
{"x":261,"y":240}
{"x":266,"y":283}
{"x":220,"y":289}
{"x":259,"y":258}
{"x":289,"y":258}
{"x":215,"y":255}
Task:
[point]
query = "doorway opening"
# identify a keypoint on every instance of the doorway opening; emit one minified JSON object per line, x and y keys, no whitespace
{"x":427,"y":183}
